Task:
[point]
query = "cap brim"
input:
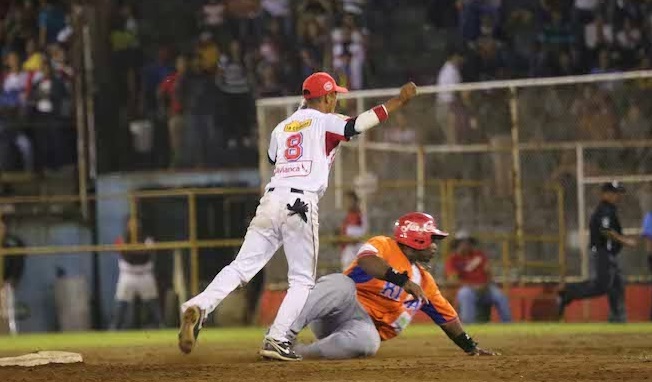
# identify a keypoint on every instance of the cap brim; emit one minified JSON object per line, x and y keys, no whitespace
{"x":340,"y":89}
{"x":440,"y":234}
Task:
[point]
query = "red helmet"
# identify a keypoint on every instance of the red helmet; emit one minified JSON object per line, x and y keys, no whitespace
{"x":416,"y":230}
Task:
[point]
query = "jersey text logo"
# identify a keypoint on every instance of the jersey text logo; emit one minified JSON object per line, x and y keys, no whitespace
{"x":295,"y":126}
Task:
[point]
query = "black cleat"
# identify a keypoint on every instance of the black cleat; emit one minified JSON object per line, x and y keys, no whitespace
{"x":191,"y":322}
{"x":282,"y":351}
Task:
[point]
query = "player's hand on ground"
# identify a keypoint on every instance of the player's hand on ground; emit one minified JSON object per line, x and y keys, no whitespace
{"x":416,"y":291}
{"x":408,"y":91}
{"x":482,"y":352}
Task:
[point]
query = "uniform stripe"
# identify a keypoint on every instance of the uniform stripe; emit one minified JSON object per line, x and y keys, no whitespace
{"x":436,"y":316}
{"x":359,"y":276}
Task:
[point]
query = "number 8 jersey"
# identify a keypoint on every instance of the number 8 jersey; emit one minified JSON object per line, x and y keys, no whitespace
{"x":303,"y":148}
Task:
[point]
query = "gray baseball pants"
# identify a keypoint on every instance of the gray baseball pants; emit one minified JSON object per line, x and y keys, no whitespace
{"x":342,"y":327}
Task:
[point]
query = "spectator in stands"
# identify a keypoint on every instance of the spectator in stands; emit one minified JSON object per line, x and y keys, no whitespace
{"x":208,"y":52}
{"x":354,"y":226}
{"x":51,"y":21}
{"x":14,"y":83}
{"x":469,"y":268}
{"x":629,"y":41}
{"x":126,"y":49}
{"x":17,"y":27}
{"x":348,"y":41}
{"x":268,"y":85}
{"x":234,"y":83}
{"x":136,"y":279}
{"x":14,"y":266}
{"x":313,"y":47}
{"x":60,"y":64}
{"x":449,"y":75}
{"x":197,"y":95}
{"x":47,"y":98}
{"x":604,"y":64}
{"x":279,"y":11}
{"x":598,"y":35}
{"x":169,"y":95}
{"x":596,"y":114}
{"x":213,"y":15}
{"x":35,"y":58}
{"x":16,"y":152}
{"x":153,"y":75}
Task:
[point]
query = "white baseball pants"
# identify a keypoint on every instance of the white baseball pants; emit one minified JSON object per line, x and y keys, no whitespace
{"x":272,"y":226}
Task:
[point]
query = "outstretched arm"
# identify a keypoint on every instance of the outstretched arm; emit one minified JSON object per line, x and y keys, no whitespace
{"x":380,"y":113}
{"x":456,"y":333}
{"x":378,"y":268}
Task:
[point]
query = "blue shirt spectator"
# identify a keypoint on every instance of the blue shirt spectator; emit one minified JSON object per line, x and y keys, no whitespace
{"x":51,"y":20}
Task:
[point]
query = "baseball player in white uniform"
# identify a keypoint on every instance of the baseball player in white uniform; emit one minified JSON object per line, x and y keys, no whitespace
{"x":302,"y":148}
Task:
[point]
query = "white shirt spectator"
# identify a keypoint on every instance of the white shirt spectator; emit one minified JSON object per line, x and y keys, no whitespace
{"x":448,"y":75}
{"x":586,"y":5}
{"x":629,"y":39}
{"x":213,"y":13}
{"x":355,"y":7}
{"x":277,"y":8}
{"x":591,"y":36}
{"x":15,"y":82}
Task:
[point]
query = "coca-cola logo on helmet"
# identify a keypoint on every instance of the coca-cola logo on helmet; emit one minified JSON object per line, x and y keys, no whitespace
{"x":427,"y":227}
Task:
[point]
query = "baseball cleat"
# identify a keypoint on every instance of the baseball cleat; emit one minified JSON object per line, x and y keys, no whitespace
{"x":282,"y":351}
{"x":190,"y":326}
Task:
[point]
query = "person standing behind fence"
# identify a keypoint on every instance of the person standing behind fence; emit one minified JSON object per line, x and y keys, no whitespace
{"x":136,"y":279}
{"x":646,"y":233}
{"x":469,"y":266}
{"x":168,"y":92}
{"x":606,"y":241}
{"x":354,"y":226}
{"x":13,"y":272}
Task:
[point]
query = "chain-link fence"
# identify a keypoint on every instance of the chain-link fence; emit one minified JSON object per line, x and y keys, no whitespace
{"x":518,"y":163}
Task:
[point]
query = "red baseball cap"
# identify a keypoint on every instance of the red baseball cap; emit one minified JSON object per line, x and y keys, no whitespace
{"x":319,"y":84}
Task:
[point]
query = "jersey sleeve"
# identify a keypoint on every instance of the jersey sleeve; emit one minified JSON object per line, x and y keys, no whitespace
{"x":438,"y":308}
{"x":273,"y":148}
{"x":335,"y":124}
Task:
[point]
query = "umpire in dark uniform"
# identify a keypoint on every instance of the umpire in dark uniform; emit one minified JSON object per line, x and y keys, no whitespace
{"x":606,"y":241}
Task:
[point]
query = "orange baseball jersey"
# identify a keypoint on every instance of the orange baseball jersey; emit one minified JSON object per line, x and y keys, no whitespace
{"x":388,"y":305}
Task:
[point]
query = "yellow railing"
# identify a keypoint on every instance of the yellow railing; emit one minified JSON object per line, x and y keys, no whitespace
{"x":193,"y":244}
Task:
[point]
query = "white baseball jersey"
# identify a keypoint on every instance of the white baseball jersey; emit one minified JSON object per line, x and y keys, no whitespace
{"x":303,"y":148}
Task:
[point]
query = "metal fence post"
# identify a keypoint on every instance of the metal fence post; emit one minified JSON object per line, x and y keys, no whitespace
{"x":518,"y":188}
{"x":194,"y":250}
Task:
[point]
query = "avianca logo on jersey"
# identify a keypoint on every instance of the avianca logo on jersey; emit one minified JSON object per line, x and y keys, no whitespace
{"x":295,"y":126}
{"x":410,"y":226}
{"x":288,"y":170}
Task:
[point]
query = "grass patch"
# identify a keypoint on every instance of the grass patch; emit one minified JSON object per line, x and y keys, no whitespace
{"x":168,"y":337}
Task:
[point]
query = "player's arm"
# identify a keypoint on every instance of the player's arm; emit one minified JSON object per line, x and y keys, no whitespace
{"x":622,"y":239}
{"x":273,"y":147}
{"x":375,"y":115}
{"x":378,"y":268}
{"x":443,"y":314}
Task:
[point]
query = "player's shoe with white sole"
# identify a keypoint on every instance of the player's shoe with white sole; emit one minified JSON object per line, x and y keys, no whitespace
{"x":282,"y":351}
{"x":191,"y":322}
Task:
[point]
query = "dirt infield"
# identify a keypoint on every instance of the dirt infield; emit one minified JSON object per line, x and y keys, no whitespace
{"x":526,"y":357}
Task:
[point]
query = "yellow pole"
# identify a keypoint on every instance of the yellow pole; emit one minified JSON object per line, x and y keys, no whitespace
{"x":518,"y":189}
{"x":133,"y":219}
{"x":194,"y":250}
{"x":561,"y":223}
{"x":2,"y":252}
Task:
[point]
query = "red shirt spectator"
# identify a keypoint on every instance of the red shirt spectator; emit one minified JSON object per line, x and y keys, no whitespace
{"x":468,"y":265}
{"x":168,"y":90}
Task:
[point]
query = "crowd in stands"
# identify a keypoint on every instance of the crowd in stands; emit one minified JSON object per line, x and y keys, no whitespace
{"x":36,"y":132}
{"x":536,"y":38}
{"x":241,"y":50}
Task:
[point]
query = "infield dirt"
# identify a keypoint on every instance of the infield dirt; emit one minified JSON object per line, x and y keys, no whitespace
{"x":525,"y":357}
